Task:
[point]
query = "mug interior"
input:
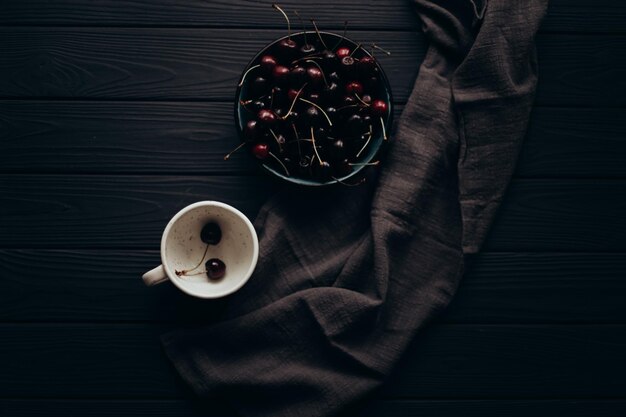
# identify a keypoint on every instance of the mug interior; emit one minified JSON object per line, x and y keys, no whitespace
{"x":182,"y":249}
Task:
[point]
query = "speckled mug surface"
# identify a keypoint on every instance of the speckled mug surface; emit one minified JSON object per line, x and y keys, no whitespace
{"x":182,"y":249}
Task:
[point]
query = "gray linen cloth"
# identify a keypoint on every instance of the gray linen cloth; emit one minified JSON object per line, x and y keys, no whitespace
{"x":346,"y":277}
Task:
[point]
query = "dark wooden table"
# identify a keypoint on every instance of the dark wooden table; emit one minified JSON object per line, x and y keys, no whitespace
{"x":115,"y":114}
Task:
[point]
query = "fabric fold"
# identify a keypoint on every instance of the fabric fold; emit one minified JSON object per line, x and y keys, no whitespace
{"x":347,"y":276}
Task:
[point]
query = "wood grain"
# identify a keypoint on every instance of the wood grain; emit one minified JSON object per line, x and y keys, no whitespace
{"x":105,"y":286}
{"x":205,"y":64}
{"x":576,"y":143}
{"x":375,"y":408}
{"x":94,"y":211}
{"x":563,"y":15}
{"x":64,"y":137}
{"x":448,"y":361}
{"x":106,"y":211}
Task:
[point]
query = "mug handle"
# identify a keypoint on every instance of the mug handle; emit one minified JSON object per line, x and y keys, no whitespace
{"x":155,"y":276}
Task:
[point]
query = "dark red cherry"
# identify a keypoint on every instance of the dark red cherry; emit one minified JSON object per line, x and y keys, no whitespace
{"x":260,"y":85}
{"x":343,"y":168}
{"x":281,"y":74}
{"x":337,"y":149}
{"x":331,"y":91}
{"x":330,"y":62}
{"x":354,"y":87}
{"x":307,"y":49}
{"x":294,"y":115}
{"x":211,"y":233}
{"x":258,"y":105}
{"x":268,"y":63}
{"x":297,"y":76}
{"x":314,"y":97}
{"x":331,"y":112}
{"x":261,"y":150}
{"x":329,"y":55}
{"x":280,"y":112}
{"x":267,"y":117}
{"x":379,"y":108}
{"x":343,"y":52}
{"x":349,"y":100}
{"x":252,"y":130}
{"x":315,"y":76}
{"x":288,"y":47}
{"x":320,"y":133}
{"x":354,"y":124}
{"x":215,"y":268}
{"x":334,"y":76}
{"x":366,"y":64}
{"x":292,"y":94}
{"x":323,"y":170}
{"x":312,"y":115}
{"x":367,"y":99}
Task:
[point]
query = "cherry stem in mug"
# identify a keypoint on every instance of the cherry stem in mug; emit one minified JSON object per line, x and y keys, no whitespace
{"x":186,"y":271}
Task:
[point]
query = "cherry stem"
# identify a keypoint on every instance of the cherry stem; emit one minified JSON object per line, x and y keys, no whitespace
{"x":380,"y":49}
{"x":276,"y":139}
{"x":306,"y":58}
{"x":345,"y":31}
{"x":348,"y":106}
{"x":375,"y":163}
{"x":297,"y":139}
{"x":366,"y":143}
{"x":320,"y":68}
{"x":356,"y":49}
{"x":281,"y":163}
{"x":356,"y":184}
{"x":244,"y":105}
{"x":277,"y":7}
{"x":315,"y":146}
{"x":272,"y":100}
{"x":186,"y":271}
{"x":320,"y":109}
{"x":234,"y":150}
{"x":319,"y":35}
{"x":382,"y":123}
{"x":246,"y":74}
{"x":293,"y":103}
{"x":306,"y":42}
{"x":361,"y":100}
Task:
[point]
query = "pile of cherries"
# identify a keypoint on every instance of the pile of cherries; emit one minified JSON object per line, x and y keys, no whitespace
{"x":313,"y":110}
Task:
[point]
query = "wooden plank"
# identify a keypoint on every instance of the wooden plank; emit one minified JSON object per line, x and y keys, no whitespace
{"x":491,"y":408}
{"x":105,"y":286}
{"x":539,"y":215}
{"x":373,"y":408}
{"x":197,"y":64}
{"x":563,"y":15}
{"x":95,"y":137}
{"x":472,"y":362}
{"x":91,"y":211}
{"x":575,"y":142}
{"x":106,"y":211}
{"x":205,"y":64}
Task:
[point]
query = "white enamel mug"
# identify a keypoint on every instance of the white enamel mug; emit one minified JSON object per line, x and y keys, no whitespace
{"x":182,"y":249}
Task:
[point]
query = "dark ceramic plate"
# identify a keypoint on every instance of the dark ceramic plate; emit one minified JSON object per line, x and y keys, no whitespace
{"x":381,"y":92}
